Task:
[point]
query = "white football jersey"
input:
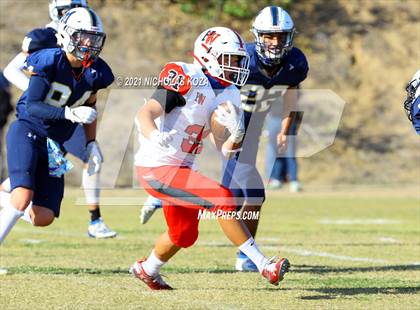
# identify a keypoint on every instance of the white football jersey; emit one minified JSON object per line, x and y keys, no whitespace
{"x":191,"y":121}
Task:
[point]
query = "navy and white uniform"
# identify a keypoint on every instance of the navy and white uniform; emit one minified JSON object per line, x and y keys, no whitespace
{"x":44,"y":38}
{"x":40,"y":114}
{"x":240,"y":173}
{"x":415,"y":114}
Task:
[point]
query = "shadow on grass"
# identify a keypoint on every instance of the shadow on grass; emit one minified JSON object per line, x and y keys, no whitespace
{"x":332,"y":293}
{"x":329,"y":269}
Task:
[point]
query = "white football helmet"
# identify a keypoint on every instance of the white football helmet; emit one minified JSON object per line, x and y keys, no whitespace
{"x":273,"y":20}
{"x":413,"y":92}
{"x":215,"y":50}
{"x":80,"y":33}
{"x":58,"y":8}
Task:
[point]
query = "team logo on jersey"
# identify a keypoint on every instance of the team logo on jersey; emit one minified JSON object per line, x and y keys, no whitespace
{"x":199,"y":98}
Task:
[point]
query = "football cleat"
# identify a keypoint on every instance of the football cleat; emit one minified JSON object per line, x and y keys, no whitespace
{"x":274,"y":184}
{"x":243,"y":263}
{"x":274,"y":272}
{"x":99,"y":230}
{"x":153,"y":282}
{"x":295,"y":187}
{"x":149,"y":207}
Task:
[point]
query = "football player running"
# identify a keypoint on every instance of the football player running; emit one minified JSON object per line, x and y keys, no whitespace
{"x":172,"y":125}
{"x":61,"y":94}
{"x":412,"y":102}
{"x":88,"y":151}
{"x":273,"y":61}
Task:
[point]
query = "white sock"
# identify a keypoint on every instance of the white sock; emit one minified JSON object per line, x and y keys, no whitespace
{"x":6,"y":186}
{"x":152,"y":265}
{"x":251,"y":250}
{"x":26,"y":214}
{"x":5,"y":202}
{"x":4,"y":199}
{"x":8,"y":218}
{"x":91,"y":186}
{"x":152,"y":201}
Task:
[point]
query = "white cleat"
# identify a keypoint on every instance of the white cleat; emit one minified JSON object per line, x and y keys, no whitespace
{"x":98,"y":229}
{"x":149,"y":207}
{"x":295,"y":187}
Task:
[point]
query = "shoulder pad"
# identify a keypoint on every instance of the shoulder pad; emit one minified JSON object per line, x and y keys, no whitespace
{"x":173,"y":77}
{"x":102,"y":74}
{"x":39,"y":38}
{"x":43,"y":62}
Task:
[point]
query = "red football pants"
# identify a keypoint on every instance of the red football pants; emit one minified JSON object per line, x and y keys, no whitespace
{"x":184,"y":192}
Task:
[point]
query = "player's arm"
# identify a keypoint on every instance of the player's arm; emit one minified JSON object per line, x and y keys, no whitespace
{"x":14,"y":71}
{"x":289,"y":105}
{"x":90,"y":129}
{"x":146,"y":116}
{"x":37,"y":91}
{"x":230,"y":117}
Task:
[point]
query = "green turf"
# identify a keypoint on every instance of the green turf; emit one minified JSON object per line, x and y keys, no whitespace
{"x":352,"y":266}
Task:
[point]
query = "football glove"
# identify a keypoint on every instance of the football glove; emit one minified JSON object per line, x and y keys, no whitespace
{"x":232,"y":120}
{"x":85,"y":115}
{"x":95,"y":158}
{"x":162,"y":138}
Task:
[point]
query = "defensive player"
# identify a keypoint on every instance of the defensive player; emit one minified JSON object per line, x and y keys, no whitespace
{"x":61,"y":93}
{"x":172,"y":124}
{"x":41,"y":38}
{"x":273,"y":61}
{"x":412,"y":102}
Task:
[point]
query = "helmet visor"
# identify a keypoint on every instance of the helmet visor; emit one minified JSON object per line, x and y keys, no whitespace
{"x":88,"y":43}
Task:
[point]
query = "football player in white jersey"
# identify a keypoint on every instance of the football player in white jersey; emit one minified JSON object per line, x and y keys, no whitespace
{"x":172,"y":124}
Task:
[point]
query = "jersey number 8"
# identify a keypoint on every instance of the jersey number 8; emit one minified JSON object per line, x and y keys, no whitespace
{"x":59,"y":94}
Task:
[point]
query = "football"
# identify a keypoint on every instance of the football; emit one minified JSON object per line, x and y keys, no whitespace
{"x":219,"y":131}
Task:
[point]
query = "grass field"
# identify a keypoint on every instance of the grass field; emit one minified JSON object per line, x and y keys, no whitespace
{"x":348,"y":249}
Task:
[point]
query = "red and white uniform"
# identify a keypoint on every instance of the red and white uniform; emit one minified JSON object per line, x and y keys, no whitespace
{"x":192,"y":121}
{"x":167,"y":173}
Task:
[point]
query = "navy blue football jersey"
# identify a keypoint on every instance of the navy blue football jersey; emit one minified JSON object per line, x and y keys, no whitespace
{"x":52,"y":87}
{"x":415,"y":114}
{"x":259,"y":96}
{"x":38,"y":39}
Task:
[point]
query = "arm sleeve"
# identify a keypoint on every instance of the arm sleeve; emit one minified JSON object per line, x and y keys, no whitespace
{"x":168,"y":99}
{"x":13,"y":72}
{"x":38,"y":89}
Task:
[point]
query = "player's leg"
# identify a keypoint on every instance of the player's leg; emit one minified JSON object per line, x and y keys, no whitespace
{"x":272,"y":164}
{"x":291,"y":166}
{"x":28,"y":169}
{"x":149,"y":208}
{"x":248,"y":188}
{"x":76,"y":146}
{"x":181,"y":186}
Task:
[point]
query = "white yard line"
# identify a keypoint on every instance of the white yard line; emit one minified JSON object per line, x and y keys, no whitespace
{"x":359,"y":221}
{"x":388,"y":240}
{"x":32,"y":241}
{"x":66,"y":233}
